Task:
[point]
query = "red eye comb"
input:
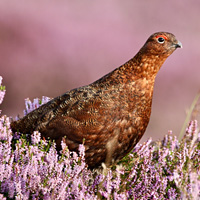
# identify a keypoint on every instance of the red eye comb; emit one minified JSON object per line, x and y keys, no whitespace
{"x":163,"y":36}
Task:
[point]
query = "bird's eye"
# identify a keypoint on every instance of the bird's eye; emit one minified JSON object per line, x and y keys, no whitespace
{"x":161,"y":40}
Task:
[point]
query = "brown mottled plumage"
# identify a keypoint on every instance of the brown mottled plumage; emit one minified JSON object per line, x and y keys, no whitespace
{"x":112,"y":113}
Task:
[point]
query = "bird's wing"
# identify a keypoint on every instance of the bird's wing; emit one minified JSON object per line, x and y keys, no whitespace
{"x":78,"y":116}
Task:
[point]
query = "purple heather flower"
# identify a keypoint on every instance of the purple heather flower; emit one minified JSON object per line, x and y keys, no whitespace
{"x":81,"y":151}
{"x":2,"y":94}
{"x":30,"y":106}
{"x":2,"y":91}
{"x":2,"y":197}
{"x":1,"y":80}
{"x":198,"y":137}
{"x":192,"y":128}
{"x":195,"y":185}
{"x":45,"y":100}
{"x":172,"y":195}
{"x":16,"y":135}
{"x":35,"y":137}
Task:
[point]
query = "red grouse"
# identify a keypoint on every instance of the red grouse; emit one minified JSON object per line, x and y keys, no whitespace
{"x":111,"y":114}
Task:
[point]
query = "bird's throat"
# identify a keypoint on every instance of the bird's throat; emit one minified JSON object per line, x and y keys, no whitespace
{"x":147,"y":67}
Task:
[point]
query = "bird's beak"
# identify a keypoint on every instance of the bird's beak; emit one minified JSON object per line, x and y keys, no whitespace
{"x":178,"y":45}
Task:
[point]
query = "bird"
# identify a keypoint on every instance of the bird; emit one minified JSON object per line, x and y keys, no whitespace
{"x":111,"y":114}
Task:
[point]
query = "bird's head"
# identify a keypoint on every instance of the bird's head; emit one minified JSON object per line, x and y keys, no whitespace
{"x":161,"y":43}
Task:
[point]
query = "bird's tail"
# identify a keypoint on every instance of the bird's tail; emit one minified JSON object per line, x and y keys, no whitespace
{"x":14,"y":126}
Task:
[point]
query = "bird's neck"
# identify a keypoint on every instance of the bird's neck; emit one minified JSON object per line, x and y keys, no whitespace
{"x":143,"y":65}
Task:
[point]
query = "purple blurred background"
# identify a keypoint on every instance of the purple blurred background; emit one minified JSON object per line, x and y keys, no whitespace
{"x":48,"y":48}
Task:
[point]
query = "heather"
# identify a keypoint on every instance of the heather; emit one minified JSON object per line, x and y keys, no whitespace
{"x":31,"y":168}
